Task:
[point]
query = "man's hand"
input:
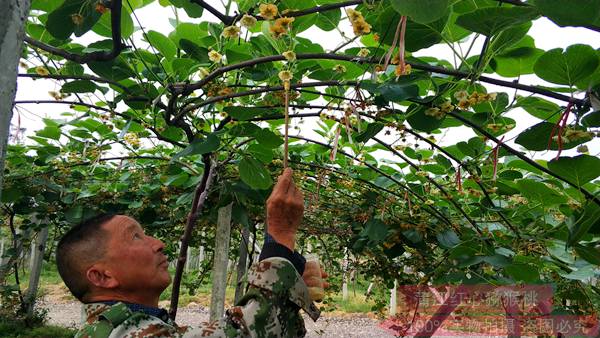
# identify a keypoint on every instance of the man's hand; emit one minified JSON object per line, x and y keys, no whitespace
{"x":285,"y":208}
{"x":310,"y":280}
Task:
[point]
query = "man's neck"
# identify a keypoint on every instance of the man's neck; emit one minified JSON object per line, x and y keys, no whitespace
{"x":146,"y":300}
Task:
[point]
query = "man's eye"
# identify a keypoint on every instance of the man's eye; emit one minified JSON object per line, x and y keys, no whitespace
{"x":137,"y":236}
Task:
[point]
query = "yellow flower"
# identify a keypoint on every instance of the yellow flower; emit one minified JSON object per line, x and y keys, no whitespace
{"x":285,"y":75}
{"x":461,"y":95}
{"x":248,"y":21}
{"x":41,"y":71}
{"x":289,"y":55}
{"x":268,"y":11}
{"x":363,"y":52}
{"x":376,"y":37}
{"x":464,"y":104}
{"x":583,"y":149}
{"x":231,"y":32}
{"x":447,"y":107}
{"x":214,"y":56}
{"x":339,"y":69}
{"x":77,"y":19}
{"x":354,"y":15}
{"x":434,"y":111}
{"x":203,"y":71}
{"x":361,"y":27}
{"x":281,"y":26}
{"x":400,"y":71}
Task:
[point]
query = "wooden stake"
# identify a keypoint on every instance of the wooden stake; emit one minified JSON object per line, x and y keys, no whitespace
{"x":286,"y":88}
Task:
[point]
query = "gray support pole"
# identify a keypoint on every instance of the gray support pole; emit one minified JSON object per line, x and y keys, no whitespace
{"x":221,"y":258}
{"x":36,"y":269}
{"x":13,"y":17}
{"x":242,"y":265}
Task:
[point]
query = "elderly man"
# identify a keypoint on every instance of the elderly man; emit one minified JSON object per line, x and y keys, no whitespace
{"x":118,"y":272}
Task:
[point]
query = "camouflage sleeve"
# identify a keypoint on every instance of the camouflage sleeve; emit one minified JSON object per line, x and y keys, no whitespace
{"x":269,"y":309}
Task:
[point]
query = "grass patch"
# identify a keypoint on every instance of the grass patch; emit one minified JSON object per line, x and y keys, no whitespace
{"x":17,"y":330}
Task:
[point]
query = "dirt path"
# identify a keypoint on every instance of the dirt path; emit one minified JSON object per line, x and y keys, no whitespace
{"x":68,"y":313}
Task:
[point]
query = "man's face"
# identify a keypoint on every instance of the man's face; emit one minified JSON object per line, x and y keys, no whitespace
{"x":135,"y":259}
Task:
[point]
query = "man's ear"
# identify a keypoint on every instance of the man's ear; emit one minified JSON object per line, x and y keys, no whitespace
{"x":100,"y":277}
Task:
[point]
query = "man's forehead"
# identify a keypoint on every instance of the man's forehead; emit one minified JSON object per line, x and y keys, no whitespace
{"x":122,"y":223}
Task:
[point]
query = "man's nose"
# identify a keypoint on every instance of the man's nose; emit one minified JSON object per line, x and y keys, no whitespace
{"x":157,"y":244}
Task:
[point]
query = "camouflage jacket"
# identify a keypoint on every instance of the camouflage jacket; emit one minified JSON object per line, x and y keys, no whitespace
{"x":269,"y":309}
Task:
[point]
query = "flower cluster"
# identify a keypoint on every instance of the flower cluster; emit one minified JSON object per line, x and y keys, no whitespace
{"x":465,"y":100}
{"x":77,"y":19}
{"x":231,"y":32}
{"x":40,"y":70}
{"x":215,"y":56}
{"x":497,"y":127}
{"x":268,"y":11}
{"x":404,"y":69}
{"x":132,"y":139}
{"x":289,"y":55}
{"x":363,"y":52}
{"x":248,"y":21}
{"x":574,"y":135}
{"x":281,"y":26}
{"x":441,"y":111}
{"x":359,"y":25}
{"x":339,"y":69}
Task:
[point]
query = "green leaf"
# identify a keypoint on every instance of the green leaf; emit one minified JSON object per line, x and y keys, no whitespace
{"x":525,"y":273}
{"x":539,"y":192}
{"x":61,"y":22}
{"x":79,"y":86}
{"x":372,"y":130}
{"x":579,"y":169}
{"x":589,"y":253}
{"x":448,"y":239}
{"x":50,"y":132}
{"x":268,"y":138}
{"x":592,"y":119}
{"x":240,"y":113}
{"x":115,"y":70}
{"x":104,"y":27}
{"x":583,"y":221}
{"x":568,"y":67}
{"x":537,"y":138}
{"x":11,"y":194}
{"x":570,"y":12}
{"x":375,"y":230}
{"x":540,"y":108}
{"x":418,"y":120}
{"x":491,"y":21}
{"x":195,"y":51}
{"x":422,"y":11}
{"x":163,"y":44}
{"x":200,"y":146}
{"x":398,"y":91}
{"x":329,"y":20}
{"x":254,"y":174}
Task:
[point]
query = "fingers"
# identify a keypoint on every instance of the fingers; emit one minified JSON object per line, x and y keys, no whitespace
{"x":324,"y":274}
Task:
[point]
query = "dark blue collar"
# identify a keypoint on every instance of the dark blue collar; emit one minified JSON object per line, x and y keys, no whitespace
{"x":152,"y":311}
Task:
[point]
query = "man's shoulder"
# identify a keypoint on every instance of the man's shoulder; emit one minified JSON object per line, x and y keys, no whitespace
{"x":119,"y":321}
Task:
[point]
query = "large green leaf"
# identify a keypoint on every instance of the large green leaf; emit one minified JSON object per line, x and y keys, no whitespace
{"x":329,"y":20}
{"x":448,"y":239}
{"x":583,"y":221}
{"x":540,"y":192}
{"x":520,"y":272}
{"x":372,"y":130}
{"x":79,"y":86}
{"x":568,"y":67}
{"x":419,"y":121}
{"x":254,"y":174}
{"x":104,"y":27}
{"x":537,"y":138}
{"x":540,"y":108}
{"x":491,"y":21}
{"x":163,"y":44}
{"x":240,"y":113}
{"x":62,"y":21}
{"x":570,"y":12}
{"x":589,"y":253}
{"x":579,"y":169}
{"x":200,"y":146}
{"x":422,"y":11}
{"x":115,"y":70}
{"x":195,"y":51}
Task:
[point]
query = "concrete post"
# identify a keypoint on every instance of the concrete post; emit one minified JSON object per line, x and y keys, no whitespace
{"x":221,"y":258}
